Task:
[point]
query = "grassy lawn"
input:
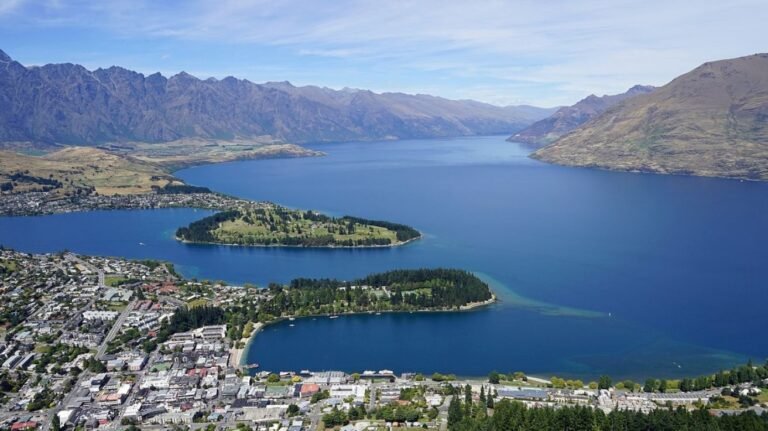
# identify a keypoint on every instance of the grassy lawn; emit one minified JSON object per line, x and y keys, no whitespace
{"x":523,"y":383}
{"x":276,"y":225}
{"x":197,"y":302}
{"x":116,"y":306}
{"x":162,"y":366}
{"x":113,"y":280}
{"x":10,"y":266}
{"x":42,"y":348}
{"x":730,"y":403}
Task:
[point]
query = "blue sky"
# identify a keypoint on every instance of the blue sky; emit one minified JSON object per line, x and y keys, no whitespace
{"x":545,"y":53}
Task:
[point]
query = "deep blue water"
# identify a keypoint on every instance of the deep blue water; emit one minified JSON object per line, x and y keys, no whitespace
{"x":678,"y":262}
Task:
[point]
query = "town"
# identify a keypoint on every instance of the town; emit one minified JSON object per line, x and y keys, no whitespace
{"x":47,"y":202}
{"x":107,"y":343}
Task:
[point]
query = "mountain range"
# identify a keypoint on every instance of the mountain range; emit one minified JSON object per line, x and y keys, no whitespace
{"x":69,"y":104}
{"x":711,"y":121}
{"x":567,"y":118}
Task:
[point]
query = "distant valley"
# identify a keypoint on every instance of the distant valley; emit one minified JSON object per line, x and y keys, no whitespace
{"x":568,"y":118}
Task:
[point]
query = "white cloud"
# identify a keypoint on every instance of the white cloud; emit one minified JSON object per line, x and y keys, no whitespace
{"x":575,"y":48}
{"x":7,"y":6}
{"x":334,"y":53}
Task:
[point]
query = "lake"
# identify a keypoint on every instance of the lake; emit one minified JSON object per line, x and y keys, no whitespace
{"x":598,"y":272}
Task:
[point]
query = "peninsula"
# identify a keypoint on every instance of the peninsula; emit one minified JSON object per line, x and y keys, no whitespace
{"x":65,"y":172}
{"x":426,"y":289}
{"x":273,"y":225}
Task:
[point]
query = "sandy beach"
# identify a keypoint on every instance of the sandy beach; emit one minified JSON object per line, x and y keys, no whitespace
{"x":235,"y":354}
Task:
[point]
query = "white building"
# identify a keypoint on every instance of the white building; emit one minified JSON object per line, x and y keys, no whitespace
{"x":345,"y":391}
{"x":99,"y":315}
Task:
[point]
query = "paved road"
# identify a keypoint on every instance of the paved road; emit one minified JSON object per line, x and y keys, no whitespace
{"x":86,"y":374}
{"x":372,"y":396}
{"x":442,"y":412}
{"x":115,"y":329}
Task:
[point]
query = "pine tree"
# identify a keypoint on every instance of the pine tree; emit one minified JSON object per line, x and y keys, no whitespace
{"x":455,"y":412}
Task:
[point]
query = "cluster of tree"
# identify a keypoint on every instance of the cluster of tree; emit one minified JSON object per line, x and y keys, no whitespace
{"x":42,"y":400}
{"x":747,"y":373}
{"x":292,"y":410}
{"x":397,"y":413}
{"x":335,"y":418}
{"x":25,"y":177}
{"x":128,"y":337}
{"x":404,"y":233}
{"x":496,"y":377}
{"x":407,"y":290}
{"x":604,"y":382}
{"x":408,"y":394}
{"x":318,"y":241}
{"x":180,"y":189}
{"x":12,"y":382}
{"x":57,"y":354}
{"x":202,"y":230}
{"x":438,"y":377}
{"x":185,"y":319}
{"x":12,"y":317}
{"x":466,"y":415}
{"x":389,"y":413}
{"x":744,"y":400}
{"x":95,"y":366}
{"x":319,"y":396}
{"x":446,"y":287}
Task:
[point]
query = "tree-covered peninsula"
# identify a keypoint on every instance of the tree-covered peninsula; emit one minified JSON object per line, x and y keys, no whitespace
{"x":272,"y":225}
{"x":398,"y":290}
{"x":435,"y":289}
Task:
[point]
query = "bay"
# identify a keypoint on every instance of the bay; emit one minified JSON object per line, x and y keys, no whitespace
{"x":598,"y":272}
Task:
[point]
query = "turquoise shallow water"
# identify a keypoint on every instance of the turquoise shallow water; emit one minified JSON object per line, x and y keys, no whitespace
{"x":598,"y":272}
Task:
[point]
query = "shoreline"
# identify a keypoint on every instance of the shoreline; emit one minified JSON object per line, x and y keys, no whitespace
{"x":237,"y":355}
{"x":396,"y":244}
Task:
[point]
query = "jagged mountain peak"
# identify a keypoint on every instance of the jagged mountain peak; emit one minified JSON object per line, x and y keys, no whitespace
{"x":67,"y":103}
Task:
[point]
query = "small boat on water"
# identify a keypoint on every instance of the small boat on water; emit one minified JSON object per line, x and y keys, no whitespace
{"x":291,"y":319}
{"x":334,"y":317}
{"x":141,"y":243}
{"x":291,"y":325}
{"x":378,"y":314}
